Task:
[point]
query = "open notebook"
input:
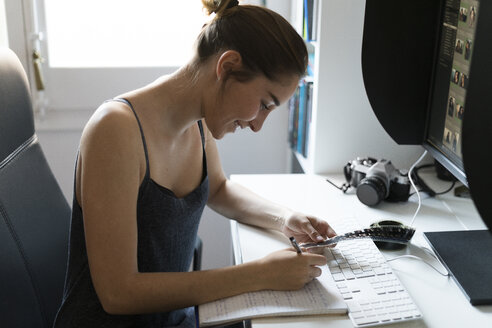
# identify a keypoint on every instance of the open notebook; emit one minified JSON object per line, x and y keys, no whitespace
{"x":318,"y":297}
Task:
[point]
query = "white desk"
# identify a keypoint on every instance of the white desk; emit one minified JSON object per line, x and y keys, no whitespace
{"x":440,"y":300}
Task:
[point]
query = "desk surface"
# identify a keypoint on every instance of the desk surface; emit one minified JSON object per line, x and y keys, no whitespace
{"x":439,"y":298}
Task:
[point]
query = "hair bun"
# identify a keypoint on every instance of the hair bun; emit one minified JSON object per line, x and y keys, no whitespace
{"x":232,"y":3}
{"x":218,"y":6}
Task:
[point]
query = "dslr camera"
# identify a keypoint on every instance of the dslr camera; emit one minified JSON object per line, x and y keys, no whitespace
{"x":377,"y":180}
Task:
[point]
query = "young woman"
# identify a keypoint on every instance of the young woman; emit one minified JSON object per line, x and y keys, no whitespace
{"x":148,"y":164}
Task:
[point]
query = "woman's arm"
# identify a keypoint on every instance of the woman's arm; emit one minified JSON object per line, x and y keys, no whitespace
{"x":237,"y":202}
{"x":111,"y":168}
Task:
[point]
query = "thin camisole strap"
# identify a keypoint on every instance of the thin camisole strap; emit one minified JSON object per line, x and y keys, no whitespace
{"x":200,"y":126}
{"x":147,"y":173}
{"x":125,"y":101}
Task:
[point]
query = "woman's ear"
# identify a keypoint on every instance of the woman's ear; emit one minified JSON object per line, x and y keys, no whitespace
{"x":229,"y":61}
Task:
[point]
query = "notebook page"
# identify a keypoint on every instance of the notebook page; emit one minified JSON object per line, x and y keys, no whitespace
{"x":318,"y":297}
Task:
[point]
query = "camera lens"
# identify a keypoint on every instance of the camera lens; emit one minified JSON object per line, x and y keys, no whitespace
{"x":371,"y":191}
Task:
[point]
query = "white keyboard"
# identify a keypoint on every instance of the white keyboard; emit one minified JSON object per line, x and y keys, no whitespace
{"x":373,"y":294}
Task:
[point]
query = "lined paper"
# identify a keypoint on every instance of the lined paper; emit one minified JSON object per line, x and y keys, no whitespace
{"x":320,"y":296}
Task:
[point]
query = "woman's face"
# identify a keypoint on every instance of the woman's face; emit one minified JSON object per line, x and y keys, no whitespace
{"x":248,"y":104}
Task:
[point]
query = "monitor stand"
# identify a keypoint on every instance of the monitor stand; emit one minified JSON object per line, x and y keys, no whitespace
{"x":467,"y":255}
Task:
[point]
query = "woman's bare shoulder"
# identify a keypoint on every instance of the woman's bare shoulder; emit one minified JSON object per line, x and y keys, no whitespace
{"x":113,"y":122}
{"x":112,"y":135}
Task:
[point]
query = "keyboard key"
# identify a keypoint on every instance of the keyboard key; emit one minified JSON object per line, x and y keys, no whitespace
{"x":335,"y":270}
{"x":353,"y":306}
{"x":332,"y":264}
{"x":348,"y":274}
{"x":338,"y":276}
{"x":358,"y":315}
{"x":365,"y":321}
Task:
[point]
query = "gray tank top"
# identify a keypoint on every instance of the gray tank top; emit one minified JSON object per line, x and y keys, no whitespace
{"x":167,"y":230}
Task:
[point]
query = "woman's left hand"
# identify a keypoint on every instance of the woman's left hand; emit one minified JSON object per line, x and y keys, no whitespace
{"x":305,"y":228}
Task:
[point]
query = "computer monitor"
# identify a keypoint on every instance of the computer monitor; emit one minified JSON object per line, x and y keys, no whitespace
{"x":444,"y":48}
{"x":466,"y":254}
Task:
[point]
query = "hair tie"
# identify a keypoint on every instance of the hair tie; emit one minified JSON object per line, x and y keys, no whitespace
{"x":232,"y":3}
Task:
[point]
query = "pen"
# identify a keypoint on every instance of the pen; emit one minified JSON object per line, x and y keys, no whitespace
{"x":294,"y":243}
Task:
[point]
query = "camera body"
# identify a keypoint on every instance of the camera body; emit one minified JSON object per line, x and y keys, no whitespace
{"x":377,"y":180}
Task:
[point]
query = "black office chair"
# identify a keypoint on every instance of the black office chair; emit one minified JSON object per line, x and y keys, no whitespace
{"x":34,"y":215}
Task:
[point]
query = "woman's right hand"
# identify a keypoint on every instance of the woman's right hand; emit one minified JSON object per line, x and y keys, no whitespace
{"x":287,"y":270}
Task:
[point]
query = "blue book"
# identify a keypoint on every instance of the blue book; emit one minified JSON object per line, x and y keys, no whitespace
{"x":302,"y":117}
{"x":308,"y":25}
{"x":305,"y":21}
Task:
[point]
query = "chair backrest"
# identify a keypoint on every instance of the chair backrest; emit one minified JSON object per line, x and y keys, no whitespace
{"x":34,"y":215}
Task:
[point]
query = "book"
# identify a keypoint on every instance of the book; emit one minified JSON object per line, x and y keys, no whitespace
{"x":319,"y":296}
{"x":314,"y":25}
{"x":307,"y":122}
{"x":300,"y":113}
{"x":310,"y":20}
{"x":293,"y":119}
{"x":302,"y":117}
{"x":310,"y":67}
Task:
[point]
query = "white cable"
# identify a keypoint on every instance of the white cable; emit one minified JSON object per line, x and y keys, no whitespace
{"x":429,"y":251}
{"x":415,"y":188}
{"x":420,"y":259}
{"x":413,"y":219}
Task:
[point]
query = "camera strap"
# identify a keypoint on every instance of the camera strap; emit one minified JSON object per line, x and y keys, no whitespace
{"x":343,"y":188}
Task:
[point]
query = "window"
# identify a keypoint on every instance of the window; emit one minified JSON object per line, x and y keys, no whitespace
{"x":121,"y":33}
{"x":96,"y":49}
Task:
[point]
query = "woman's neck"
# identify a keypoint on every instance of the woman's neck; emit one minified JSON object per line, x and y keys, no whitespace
{"x":174,"y":102}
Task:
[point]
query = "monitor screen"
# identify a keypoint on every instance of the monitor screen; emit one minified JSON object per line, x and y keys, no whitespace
{"x":451,"y":78}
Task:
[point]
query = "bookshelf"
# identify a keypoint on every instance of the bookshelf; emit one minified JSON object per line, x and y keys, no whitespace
{"x":306,"y":15}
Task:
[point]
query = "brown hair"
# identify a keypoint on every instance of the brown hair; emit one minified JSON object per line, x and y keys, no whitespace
{"x":268,"y":44}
